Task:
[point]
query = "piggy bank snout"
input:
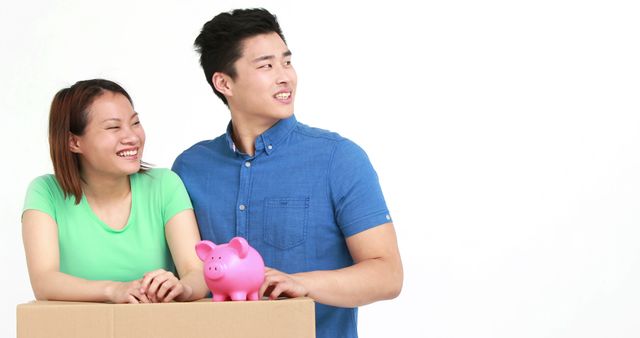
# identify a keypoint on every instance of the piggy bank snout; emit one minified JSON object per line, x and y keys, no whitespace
{"x":214,"y":270}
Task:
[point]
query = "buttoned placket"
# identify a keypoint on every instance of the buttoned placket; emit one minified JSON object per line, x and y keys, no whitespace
{"x":263,"y":147}
{"x":242,"y":205}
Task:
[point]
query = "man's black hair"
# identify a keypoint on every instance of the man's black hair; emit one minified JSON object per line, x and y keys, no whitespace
{"x":220,"y":41}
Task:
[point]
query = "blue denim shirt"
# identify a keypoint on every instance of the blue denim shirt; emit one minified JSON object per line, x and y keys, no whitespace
{"x":296,"y":200}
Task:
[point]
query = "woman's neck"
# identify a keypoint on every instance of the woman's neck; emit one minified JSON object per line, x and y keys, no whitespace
{"x":105,"y":189}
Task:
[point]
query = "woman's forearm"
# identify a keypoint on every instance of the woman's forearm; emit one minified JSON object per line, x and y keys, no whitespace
{"x":55,"y":285}
{"x":195,"y":280}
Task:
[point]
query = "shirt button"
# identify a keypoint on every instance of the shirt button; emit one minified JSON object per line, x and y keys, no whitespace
{"x":269,"y":147}
{"x":242,"y":207}
{"x":247,"y":164}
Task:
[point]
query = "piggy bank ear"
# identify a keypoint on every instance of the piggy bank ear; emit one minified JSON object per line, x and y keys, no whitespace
{"x":241,"y":245}
{"x":204,"y":248}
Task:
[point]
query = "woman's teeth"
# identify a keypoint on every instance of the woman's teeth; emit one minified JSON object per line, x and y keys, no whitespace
{"x":283,"y":96}
{"x":128,"y":153}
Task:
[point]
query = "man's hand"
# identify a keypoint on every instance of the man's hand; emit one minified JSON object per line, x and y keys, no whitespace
{"x":277,"y":283}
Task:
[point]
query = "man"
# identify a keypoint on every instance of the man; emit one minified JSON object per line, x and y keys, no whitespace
{"x":307,"y":199}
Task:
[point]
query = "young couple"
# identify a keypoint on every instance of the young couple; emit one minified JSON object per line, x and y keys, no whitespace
{"x":106,"y":227}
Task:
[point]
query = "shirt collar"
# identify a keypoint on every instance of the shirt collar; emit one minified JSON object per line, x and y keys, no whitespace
{"x":232,"y":145}
{"x":270,"y":139}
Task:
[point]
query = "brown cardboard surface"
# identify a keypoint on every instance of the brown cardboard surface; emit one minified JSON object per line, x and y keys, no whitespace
{"x":294,"y":318}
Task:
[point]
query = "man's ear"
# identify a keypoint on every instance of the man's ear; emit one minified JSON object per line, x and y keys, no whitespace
{"x":223,"y":83}
{"x":74,"y":144}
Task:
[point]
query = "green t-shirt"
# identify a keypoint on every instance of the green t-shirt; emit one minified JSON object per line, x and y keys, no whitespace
{"x":92,"y":250}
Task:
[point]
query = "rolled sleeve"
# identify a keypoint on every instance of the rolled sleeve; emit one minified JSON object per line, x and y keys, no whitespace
{"x":355,"y":190}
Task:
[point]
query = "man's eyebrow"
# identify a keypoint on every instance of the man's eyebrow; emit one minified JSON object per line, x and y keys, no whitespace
{"x":269,"y":57}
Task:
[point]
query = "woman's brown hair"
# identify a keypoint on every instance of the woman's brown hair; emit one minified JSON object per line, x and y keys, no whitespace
{"x":69,"y":115}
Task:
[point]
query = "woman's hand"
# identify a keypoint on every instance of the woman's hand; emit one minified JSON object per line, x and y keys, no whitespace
{"x":162,"y":286}
{"x":127,"y":292}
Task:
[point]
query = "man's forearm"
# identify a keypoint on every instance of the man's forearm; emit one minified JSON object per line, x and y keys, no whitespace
{"x":362,"y":283}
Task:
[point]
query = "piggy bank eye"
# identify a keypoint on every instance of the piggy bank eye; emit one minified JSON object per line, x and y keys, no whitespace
{"x":219,"y":257}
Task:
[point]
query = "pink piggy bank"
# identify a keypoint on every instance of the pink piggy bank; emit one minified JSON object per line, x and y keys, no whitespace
{"x":232,"y":271}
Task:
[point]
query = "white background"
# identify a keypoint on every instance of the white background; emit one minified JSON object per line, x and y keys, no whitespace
{"x":505,"y":134}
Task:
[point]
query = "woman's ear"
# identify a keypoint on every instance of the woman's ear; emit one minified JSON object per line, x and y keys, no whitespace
{"x":222,"y":83}
{"x":74,"y":144}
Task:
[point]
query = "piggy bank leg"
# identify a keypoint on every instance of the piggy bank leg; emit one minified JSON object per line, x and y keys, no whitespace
{"x":238,"y":295}
{"x":219,"y":297}
{"x":254,"y":296}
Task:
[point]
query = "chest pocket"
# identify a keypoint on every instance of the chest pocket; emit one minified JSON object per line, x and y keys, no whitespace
{"x":285,"y":221}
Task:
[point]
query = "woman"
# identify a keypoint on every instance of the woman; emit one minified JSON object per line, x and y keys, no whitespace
{"x":105,"y":227}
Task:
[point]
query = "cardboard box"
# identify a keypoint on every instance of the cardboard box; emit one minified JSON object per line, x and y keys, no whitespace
{"x":294,"y":318}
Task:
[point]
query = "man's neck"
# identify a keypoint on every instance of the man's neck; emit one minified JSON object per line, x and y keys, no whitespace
{"x":245,"y":132}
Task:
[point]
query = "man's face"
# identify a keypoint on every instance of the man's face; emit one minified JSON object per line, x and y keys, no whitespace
{"x":263,"y":90}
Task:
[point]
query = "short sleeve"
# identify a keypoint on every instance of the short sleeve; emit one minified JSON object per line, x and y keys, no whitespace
{"x":355,"y":191}
{"x":174,"y":195}
{"x":177,"y":165}
{"x":41,"y":194}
